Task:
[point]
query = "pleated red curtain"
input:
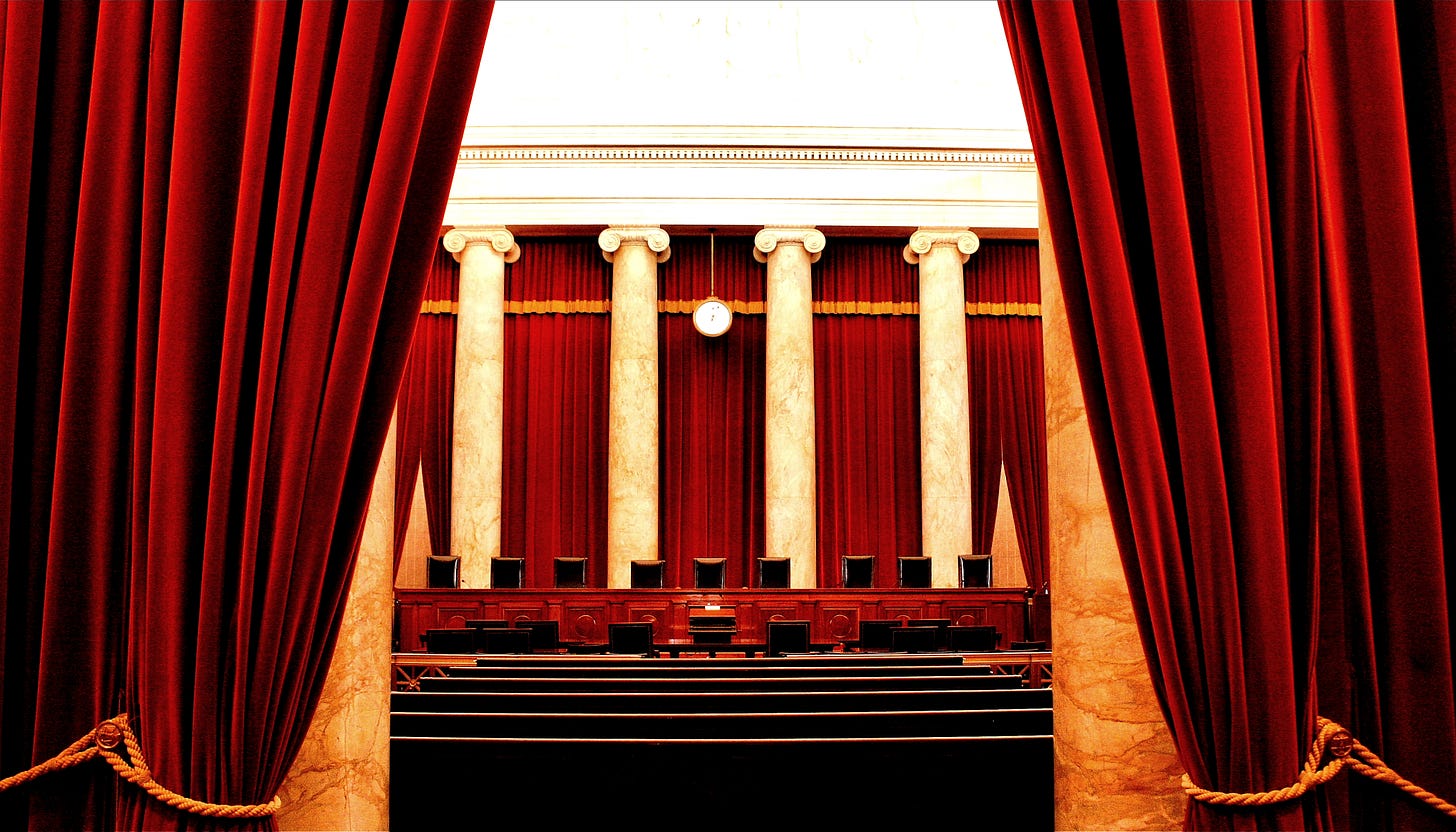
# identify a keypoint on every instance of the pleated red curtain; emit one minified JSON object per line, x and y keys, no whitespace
{"x":867,"y":406}
{"x":1251,"y":210}
{"x":711,"y":402}
{"x":425,"y":411}
{"x":554,"y":466}
{"x":1008,"y":407}
{"x":218,"y":219}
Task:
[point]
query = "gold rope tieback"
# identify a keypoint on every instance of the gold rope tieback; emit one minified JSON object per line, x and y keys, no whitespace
{"x":1332,"y":737}
{"x":103,"y":740}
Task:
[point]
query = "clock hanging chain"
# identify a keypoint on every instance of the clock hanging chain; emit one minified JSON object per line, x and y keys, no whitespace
{"x":712,"y":267}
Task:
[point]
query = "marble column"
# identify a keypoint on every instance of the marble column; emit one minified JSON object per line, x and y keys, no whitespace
{"x":340,"y":779}
{"x":790,"y":506}
{"x":1114,"y":765}
{"x":945,"y":411}
{"x":632,"y":475}
{"x":475,"y":491}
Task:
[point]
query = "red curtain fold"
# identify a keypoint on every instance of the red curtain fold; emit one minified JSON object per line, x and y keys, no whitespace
{"x":1008,"y":403}
{"x":1250,"y":205}
{"x":191,"y":421}
{"x":867,"y":410}
{"x":554,"y":467}
{"x":712,"y":413}
{"x":425,"y":411}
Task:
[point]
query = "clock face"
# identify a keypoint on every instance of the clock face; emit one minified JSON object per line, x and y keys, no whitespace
{"x":712,"y":317}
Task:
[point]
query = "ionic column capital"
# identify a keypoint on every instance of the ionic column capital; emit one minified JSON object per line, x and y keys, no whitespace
{"x":501,"y":240}
{"x":924,"y":239}
{"x":651,"y":236}
{"x":765,"y":241}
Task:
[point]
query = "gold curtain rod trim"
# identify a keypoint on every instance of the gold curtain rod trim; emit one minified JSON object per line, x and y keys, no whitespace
{"x":440,"y":307}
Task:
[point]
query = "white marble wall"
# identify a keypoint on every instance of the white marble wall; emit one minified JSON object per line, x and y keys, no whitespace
{"x":632,"y":430}
{"x":475,"y":503}
{"x":945,"y":409}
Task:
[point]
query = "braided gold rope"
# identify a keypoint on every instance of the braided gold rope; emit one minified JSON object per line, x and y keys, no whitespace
{"x":1332,"y":737}
{"x":103,"y":740}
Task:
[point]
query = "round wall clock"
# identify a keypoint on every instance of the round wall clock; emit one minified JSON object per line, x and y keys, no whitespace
{"x":712,"y":317}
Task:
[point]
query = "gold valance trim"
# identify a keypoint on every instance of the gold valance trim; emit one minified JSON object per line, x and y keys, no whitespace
{"x":740,"y":307}
{"x":440,"y":307}
{"x":558,"y":307}
{"x":686,"y":307}
{"x":1020,"y":310}
{"x":866,"y":307}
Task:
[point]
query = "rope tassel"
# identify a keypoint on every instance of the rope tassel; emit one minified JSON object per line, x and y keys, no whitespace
{"x":103,"y":741}
{"x":1344,"y":751}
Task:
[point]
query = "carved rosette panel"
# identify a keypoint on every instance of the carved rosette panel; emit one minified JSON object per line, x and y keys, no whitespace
{"x":501,"y":240}
{"x":765,"y":241}
{"x":923,"y":240}
{"x":653,"y":237}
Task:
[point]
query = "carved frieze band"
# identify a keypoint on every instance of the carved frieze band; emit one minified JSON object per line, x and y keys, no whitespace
{"x":653,"y":237}
{"x":923,"y":240}
{"x":498,"y":238}
{"x":858,"y":155}
{"x":765,"y":241}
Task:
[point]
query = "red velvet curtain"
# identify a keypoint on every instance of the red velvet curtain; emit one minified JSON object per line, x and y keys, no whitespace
{"x":557,"y":347}
{"x":425,"y":412}
{"x":215,"y":257}
{"x":711,"y":399}
{"x":1251,"y":210}
{"x":867,"y":405}
{"x":1008,"y":408}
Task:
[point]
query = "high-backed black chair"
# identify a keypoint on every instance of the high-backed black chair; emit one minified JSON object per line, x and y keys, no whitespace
{"x":941,"y":626}
{"x":974,"y":638}
{"x":507,"y":573}
{"x":647,"y":574}
{"x":1028,"y":645}
{"x":487,"y":623}
{"x":857,"y":571}
{"x":545,"y":635}
{"x":773,"y":573}
{"x":454,"y":640}
{"x":630,"y":637}
{"x":975,"y":570}
{"x":785,"y":637}
{"x":444,"y":572}
{"x":874,"y":633}
{"x":506,"y":640}
{"x":570,"y":573}
{"x":709,"y":573}
{"x":912,"y":639}
{"x":913,"y":572}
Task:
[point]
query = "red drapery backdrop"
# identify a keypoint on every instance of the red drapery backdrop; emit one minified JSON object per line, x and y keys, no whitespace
{"x":425,"y":412}
{"x":711,"y":399}
{"x":1008,"y":409}
{"x":867,"y":405}
{"x":1251,"y":210}
{"x":557,"y":347}
{"x":218,"y":219}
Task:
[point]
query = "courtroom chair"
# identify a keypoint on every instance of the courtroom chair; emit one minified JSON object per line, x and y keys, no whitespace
{"x":874,"y":634}
{"x":630,"y":637}
{"x":456,"y":640}
{"x":444,"y":572}
{"x":1028,"y":645}
{"x":647,"y":574}
{"x":570,"y":573}
{"x":912,"y":639}
{"x":487,"y":623}
{"x":507,"y":573}
{"x":975,"y":570}
{"x":773,"y":573}
{"x":709,"y":573}
{"x":942,"y":629}
{"x":786,"y":637}
{"x":913,"y":572}
{"x":545,"y":635}
{"x":509,"y":640}
{"x":974,"y":638}
{"x":857,"y":571}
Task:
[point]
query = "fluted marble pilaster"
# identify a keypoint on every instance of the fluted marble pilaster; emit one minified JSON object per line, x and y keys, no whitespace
{"x":475,"y":492}
{"x":632,"y":476}
{"x":1114,"y":767}
{"x":790,"y":505}
{"x":945,"y":412}
{"x":340,"y":779}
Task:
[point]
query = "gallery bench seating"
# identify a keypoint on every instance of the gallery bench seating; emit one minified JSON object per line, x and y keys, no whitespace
{"x":803,"y":660}
{"x":726,"y":671}
{"x":665,"y":683}
{"x":692,"y":702}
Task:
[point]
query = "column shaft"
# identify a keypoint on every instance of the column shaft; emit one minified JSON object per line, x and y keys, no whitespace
{"x":789,"y":453}
{"x":475,"y":501}
{"x":632,"y":435}
{"x":945,"y":412}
